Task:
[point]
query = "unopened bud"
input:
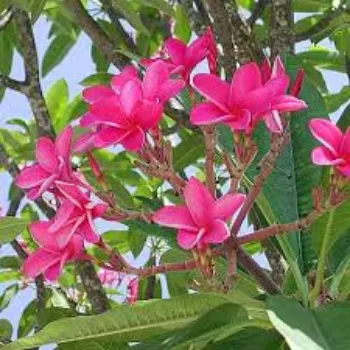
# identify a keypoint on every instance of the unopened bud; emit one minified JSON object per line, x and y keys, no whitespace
{"x":298,"y":82}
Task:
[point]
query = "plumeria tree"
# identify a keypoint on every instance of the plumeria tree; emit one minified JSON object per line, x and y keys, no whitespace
{"x":201,"y":145}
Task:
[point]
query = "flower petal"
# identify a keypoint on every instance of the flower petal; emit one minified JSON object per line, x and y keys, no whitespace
{"x":38,"y":262}
{"x":134,"y":140}
{"x":170,"y":89}
{"x":199,"y":201}
{"x":109,"y":136}
{"x":156,"y":75}
{"x":327,"y":133}
{"x":84,"y":142}
{"x":119,"y":80}
{"x":240,"y":122}
{"x":53,"y":272}
{"x":175,"y":216}
{"x":196,"y":52}
{"x":218,"y":233}
{"x":31,"y":176}
{"x":63,"y":143}
{"x":73,"y":193}
{"x":207,"y":113}
{"x":323,"y":156}
{"x":213,"y":89}
{"x":45,"y":153}
{"x":40,"y":233}
{"x":63,"y":215}
{"x":89,"y":232}
{"x":227,"y":206}
{"x":286,"y":103}
{"x":176,"y":50}
{"x":186,"y":239}
{"x":131,"y":96}
{"x":148,"y":114}
{"x":273,"y":122}
{"x":107,"y":112}
{"x":278,"y":68}
{"x":345,"y":145}
{"x":344,"y":169}
{"x":96,"y":93}
{"x":246,"y":79}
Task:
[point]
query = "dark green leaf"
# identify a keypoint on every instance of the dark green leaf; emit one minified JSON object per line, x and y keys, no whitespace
{"x":7,"y":295}
{"x":5,"y":330}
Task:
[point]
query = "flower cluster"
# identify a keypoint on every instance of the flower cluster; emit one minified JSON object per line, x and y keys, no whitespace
{"x":127,"y":113}
{"x":62,"y":238}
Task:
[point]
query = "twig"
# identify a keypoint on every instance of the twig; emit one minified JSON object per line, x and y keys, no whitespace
{"x":96,"y":33}
{"x":266,"y":165}
{"x":321,"y":25}
{"x":31,"y":67}
{"x":13,"y":84}
{"x":209,"y":140}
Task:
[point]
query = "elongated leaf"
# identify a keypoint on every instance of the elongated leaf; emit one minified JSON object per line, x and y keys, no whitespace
{"x":340,"y":226}
{"x":125,"y":323}
{"x":5,"y":329}
{"x":161,"y":5}
{"x":7,"y":295}
{"x":56,"y":52}
{"x":304,"y":329}
{"x":335,"y":101}
{"x":182,"y":25}
{"x":10,"y":227}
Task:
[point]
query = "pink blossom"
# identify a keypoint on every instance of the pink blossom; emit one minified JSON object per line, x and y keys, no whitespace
{"x":124,"y":116}
{"x":182,"y":59}
{"x":133,"y":291}
{"x":335,"y":149}
{"x":202,"y":220}
{"x":75,"y":214}
{"x":246,"y":100}
{"x":109,"y":278}
{"x":50,"y":258}
{"x":53,"y":163}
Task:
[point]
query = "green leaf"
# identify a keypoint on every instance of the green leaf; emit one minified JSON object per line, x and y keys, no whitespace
{"x":339,"y":227}
{"x":5,"y":330}
{"x":304,"y":329}
{"x":136,"y":242}
{"x":56,"y":52}
{"x":121,"y":194}
{"x":98,"y":78}
{"x":160,"y":5}
{"x":215,"y":325}
{"x":10,"y":228}
{"x":124,"y":324}
{"x":188,"y":151}
{"x":10,"y":262}
{"x":28,"y":319}
{"x":344,"y":120}
{"x":117,"y":240}
{"x":7,"y":295}
{"x":335,"y":101}
{"x":310,"y":5}
{"x":323,"y":57}
{"x":182,"y":28}
{"x":36,"y":7}
{"x":130,"y":14}
{"x":56,"y":101}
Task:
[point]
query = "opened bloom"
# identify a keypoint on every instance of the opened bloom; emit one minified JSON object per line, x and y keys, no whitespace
{"x":53,"y":163}
{"x":50,"y":258}
{"x":75,"y":214}
{"x":124,"y":115}
{"x":182,"y":59}
{"x":335,"y":149}
{"x":202,"y":220}
{"x":133,"y":291}
{"x":245,"y":101}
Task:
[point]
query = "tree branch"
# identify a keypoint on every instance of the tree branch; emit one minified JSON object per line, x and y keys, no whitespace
{"x":13,"y":84}
{"x":281,"y":32}
{"x":96,"y":33}
{"x":31,"y":67}
{"x":321,"y":25}
{"x":209,"y":139}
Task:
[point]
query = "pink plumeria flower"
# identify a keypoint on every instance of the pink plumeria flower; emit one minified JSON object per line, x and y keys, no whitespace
{"x":335,"y":149}
{"x":181,"y":58}
{"x":280,"y":102}
{"x":50,"y":258}
{"x":75,"y":214}
{"x":110,"y":278}
{"x":246,"y":100}
{"x":125,"y":118}
{"x":212,"y":56}
{"x":133,"y":291}
{"x":53,"y":163}
{"x":202,"y":220}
